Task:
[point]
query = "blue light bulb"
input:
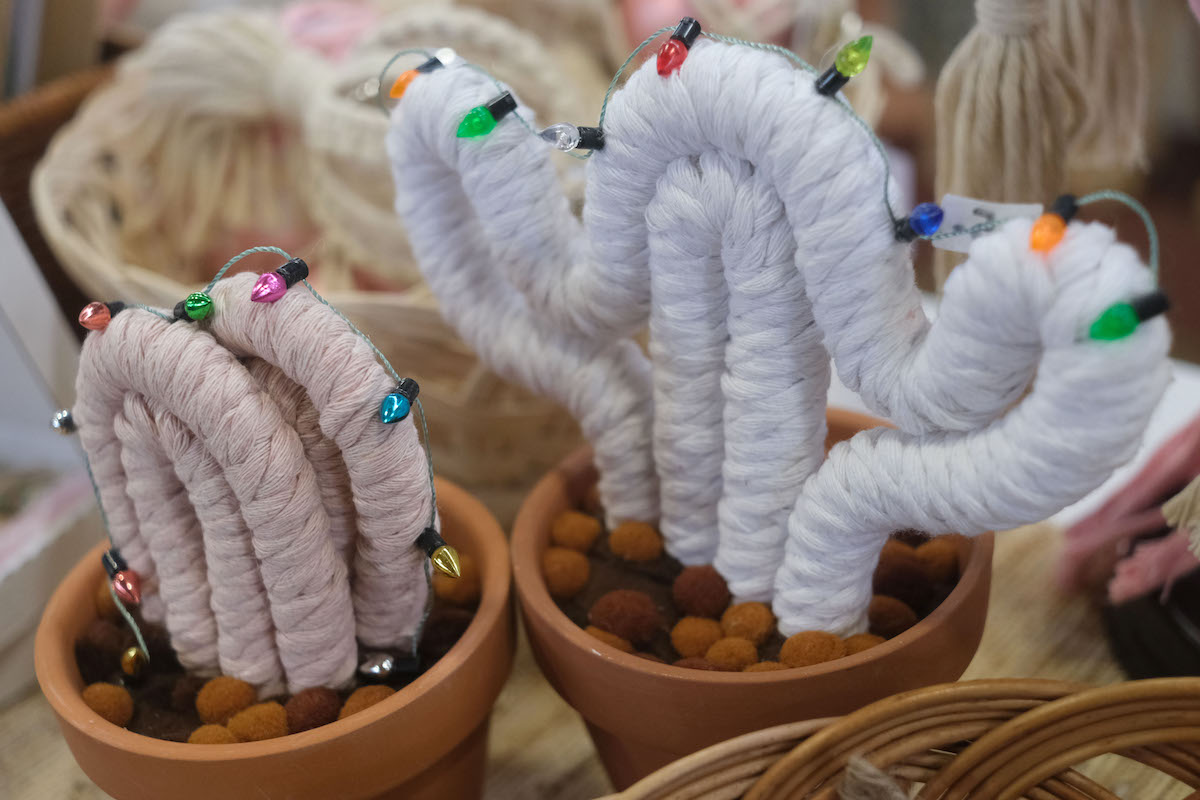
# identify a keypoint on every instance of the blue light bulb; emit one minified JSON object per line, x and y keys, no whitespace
{"x":926,"y":218}
{"x":394,"y":408}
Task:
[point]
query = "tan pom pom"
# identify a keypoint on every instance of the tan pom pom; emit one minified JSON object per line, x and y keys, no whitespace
{"x":610,"y":639}
{"x":259,"y":722}
{"x":811,"y":647}
{"x":575,"y":530}
{"x":753,"y":621}
{"x":365,"y":697}
{"x":939,"y":557}
{"x":463,"y":590}
{"x":861,"y":641}
{"x":889,"y":617}
{"x":212,"y":734}
{"x":106,"y":607}
{"x":635,"y":541}
{"x":732,"y":654}
{"x":692,"y":636}
{"x":111,"y":702}
{"x":765,"y":666}
{"x":222,"y":697}
{"x":565,"y":571}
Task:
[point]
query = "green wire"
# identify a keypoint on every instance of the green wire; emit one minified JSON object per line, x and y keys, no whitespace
{"x":1140,"y":210}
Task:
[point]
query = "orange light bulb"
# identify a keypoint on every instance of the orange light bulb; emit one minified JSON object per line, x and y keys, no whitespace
{"x":1047,"y":232}
{"x":401,"y":85}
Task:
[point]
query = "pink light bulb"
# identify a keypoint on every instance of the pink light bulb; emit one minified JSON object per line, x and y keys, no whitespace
{"x":269,"y":288}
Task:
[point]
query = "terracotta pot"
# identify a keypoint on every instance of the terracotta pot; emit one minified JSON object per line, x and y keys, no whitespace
{"x":642,"y":715}
{"x":426,"y":742}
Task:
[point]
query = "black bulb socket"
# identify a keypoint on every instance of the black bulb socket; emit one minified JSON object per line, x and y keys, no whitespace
{"x":1150,"y":305}
{"x":429,"y":541}
{"x":591,"y":138}
{"x":409,"y":389}
{"x":687,"y":31}
{"x":113,"y":562}
{"x":1065,"y":206}
{"x":502,"y":106}
{"x":293,"y":272}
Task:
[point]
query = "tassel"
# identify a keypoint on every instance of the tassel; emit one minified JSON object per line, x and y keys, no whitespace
{"x":1006,"y":107}
{"x":1183,"y":512}
{"x":1103,"y":44}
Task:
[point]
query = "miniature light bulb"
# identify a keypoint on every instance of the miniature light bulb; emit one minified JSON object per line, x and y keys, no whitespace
{"x":850,"y":61}
{"x":673,"y":52}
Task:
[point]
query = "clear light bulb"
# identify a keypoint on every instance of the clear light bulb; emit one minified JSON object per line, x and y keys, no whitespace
{"x":446,"y":55}
{"x":563,"y":135}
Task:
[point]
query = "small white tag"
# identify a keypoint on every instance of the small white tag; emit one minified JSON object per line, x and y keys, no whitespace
{"x":963,"y":213}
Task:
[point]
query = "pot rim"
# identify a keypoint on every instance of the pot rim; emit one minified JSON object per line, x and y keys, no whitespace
{"x":67,"y":700}
{"x":536,"y":601}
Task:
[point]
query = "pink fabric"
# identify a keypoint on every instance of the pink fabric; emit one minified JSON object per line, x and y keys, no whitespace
{"x":330,"y":28}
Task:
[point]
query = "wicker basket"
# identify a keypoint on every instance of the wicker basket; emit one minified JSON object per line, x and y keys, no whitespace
{"x":124,"y":226}
{"x":982,"y":739}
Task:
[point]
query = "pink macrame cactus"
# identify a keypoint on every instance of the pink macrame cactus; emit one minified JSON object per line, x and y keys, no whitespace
{"x":246,"y":476}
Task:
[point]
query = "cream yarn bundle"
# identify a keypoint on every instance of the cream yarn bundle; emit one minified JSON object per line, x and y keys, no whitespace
{"x":247,"y":478}
{"x":739,"y":214}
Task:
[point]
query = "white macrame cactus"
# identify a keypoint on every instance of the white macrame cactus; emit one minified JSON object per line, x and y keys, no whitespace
{"x":740,"y":215}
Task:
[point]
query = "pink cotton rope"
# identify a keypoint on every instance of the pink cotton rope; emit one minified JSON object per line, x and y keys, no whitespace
{"x":241,"y":489}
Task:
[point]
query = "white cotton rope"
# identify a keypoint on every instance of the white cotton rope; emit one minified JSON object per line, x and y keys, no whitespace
{"x":1084,"y":417}
{"x":710,"y":181}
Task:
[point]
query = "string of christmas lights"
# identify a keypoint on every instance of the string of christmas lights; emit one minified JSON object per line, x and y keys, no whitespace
{"x":923,"y":222}
{"x":125,"y":584}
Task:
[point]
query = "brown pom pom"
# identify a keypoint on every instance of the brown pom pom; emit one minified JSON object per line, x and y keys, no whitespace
{"x":901,"y":574}
{"x":861,"y":641}
{"x":692,"y":636}
{"x":700,"y":592}
{"x":212,"y":734}
{"x":365,"y":697}
{"x":183,"y":693}
{"x":575,"y":531}
{"x":565,"y":571}
{"x":106,"y":607}
{"x":765,"y":666}
{"x":695,"y":663}
{"x":940,"y":558}
{"x":732,"y":654}
{"x":629,"y":614}
{"x":111,"y":702}
{"x":222,"y":697}
{"x":259,"y":722}
{"x":312,"y":708}
{"x":811,"y":647}
{"x":753,"y":621}
{"x":889,"y":617}
{"x":463,"y":590}
{"x":107,"y":639}
{"x":592,"y":503}
{"x":635,"y":541}
{"x":610,"y":639}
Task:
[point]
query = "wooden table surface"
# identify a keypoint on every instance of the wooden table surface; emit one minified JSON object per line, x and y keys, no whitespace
{"x":539,"y":748}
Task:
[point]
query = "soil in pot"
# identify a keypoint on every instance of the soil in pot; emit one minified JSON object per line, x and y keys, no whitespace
{"x":163,"y":701}
{"x":623,"y":589}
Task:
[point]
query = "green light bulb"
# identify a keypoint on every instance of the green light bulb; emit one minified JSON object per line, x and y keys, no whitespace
{"x":478,"y":122}
{"x":198,"y":305}
{"x":1118,"y":321}
{"x":852,"y":59}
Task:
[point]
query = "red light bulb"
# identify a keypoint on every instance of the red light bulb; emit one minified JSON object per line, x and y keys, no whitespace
{"x":671,"y":56}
